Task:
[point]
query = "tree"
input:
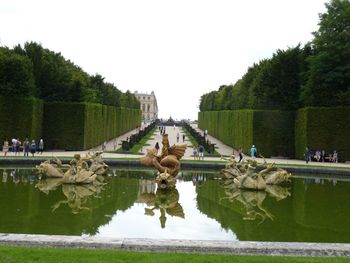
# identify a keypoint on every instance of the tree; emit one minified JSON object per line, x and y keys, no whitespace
{"x":328,"y":81}
{"x":16,"y":74}
{"x":276,"y":86}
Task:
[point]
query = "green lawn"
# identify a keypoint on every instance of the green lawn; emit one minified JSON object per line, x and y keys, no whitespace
{"x":194,"y":142}
{"x":10,"y":254}
{"x":136,"y":148}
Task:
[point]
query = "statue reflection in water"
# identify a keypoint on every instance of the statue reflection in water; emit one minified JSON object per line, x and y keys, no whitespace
{"x":164,"y":200}
{"x":253,"y":200}
{"x":76,"y":195}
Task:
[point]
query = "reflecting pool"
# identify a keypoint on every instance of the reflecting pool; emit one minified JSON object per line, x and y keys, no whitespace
{"x":202,"y":206}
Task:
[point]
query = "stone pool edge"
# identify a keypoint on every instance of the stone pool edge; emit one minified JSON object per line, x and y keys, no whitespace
{"x":184,"y":165}
{"x":187,"y":246}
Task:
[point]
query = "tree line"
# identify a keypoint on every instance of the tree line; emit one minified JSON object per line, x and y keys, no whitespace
{"x":317,"y":74}
{"x":33,"y":71}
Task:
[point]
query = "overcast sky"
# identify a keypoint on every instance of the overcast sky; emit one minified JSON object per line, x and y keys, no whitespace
{"x":179,"y":49}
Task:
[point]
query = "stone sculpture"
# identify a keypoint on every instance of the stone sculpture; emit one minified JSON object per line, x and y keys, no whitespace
{"x":167,"y":162}
{"x":244,"y":174}
{"x":79,"y":171}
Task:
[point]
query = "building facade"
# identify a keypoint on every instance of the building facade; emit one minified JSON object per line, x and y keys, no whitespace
{"x":149,"y":106}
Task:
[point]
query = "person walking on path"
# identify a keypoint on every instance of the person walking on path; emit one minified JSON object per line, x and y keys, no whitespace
{"x":18,"y":146}
{"x":26,"y":146}
{"x":201,"y":152}
{"x":33,"y":148}
{"x":14,"y":144}
{"x":335,"y":156}
{"x":240,"y":153}
{"x":5,"y":147}
{"x":195,"y":153}
{"x":253,"y":151}
{"x":183,"y":137}
{"x":307,"y":155}
{"x":41,"y":146}
{"x":177,"y":137}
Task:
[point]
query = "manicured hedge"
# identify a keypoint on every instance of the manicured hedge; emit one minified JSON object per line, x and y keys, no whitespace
{"x":80,"y":126}
{"x":20,"y":118}
{"x":323,"y":128}
{"x":271,"y":131}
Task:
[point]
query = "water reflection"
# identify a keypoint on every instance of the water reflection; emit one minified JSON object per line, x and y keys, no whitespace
{"x":77,"y":196}
{"x":164,"y":200}
{"x":130,"y":205}
{"x":253,"y":200}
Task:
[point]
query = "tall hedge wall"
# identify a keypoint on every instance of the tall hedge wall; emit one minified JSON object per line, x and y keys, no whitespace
{"x":323,"y":128}
{"x":20,"y":118}
{"x":80,"y":126}
{"x":271,"y":131}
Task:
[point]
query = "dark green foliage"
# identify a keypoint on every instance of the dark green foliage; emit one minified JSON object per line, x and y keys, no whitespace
{"x":276,"y":86}
{"x":16,"y":78}
{"x":272,"y":132}
{"x":328,"y":81}
{"x":20,"y":118}
{"x":39,"y":72}
{"x":234,"y":128}
{"x":80,"y":126}
{"x":321,"y":128}
{"x":63,"y":125}
{"x":316,"y":75}
{"x":271,"y":84}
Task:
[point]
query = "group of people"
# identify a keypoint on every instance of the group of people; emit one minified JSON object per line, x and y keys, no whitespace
{"x":178,"y":137}
{"x":253,"y":153}
{"x":198,"y":152}
{"x":162,"y":130}
{"x":320,"y":156}
{"x":17,"y":146}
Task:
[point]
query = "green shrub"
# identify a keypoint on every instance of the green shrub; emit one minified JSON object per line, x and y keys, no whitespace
{"x":20,"y":118}
{"x":80,"y":126}
{"x":321,"y":128}
{"x":271,"y":131}
{"x":63,"y":125}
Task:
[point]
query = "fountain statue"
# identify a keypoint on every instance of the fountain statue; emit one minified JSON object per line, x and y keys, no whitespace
{"x":244,"y":175}
{"x":80,"y":170}
{"x":167,"y":162}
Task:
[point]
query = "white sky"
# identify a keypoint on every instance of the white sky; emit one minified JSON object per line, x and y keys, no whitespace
{"x":179,"y":49}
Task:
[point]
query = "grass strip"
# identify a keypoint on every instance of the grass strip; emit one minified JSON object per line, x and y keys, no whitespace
{"x":65,"y":255}
{"x":194,"y":142}
{"x":136,"y":148}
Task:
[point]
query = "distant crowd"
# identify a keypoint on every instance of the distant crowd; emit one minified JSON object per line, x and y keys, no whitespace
{"x":17,"y":147}
{"x":320,"y":156}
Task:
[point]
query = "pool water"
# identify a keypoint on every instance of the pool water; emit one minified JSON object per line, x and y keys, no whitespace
{"x":202,"y":207}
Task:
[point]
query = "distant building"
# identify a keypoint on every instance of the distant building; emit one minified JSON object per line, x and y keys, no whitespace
{"x":149,"y":106}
